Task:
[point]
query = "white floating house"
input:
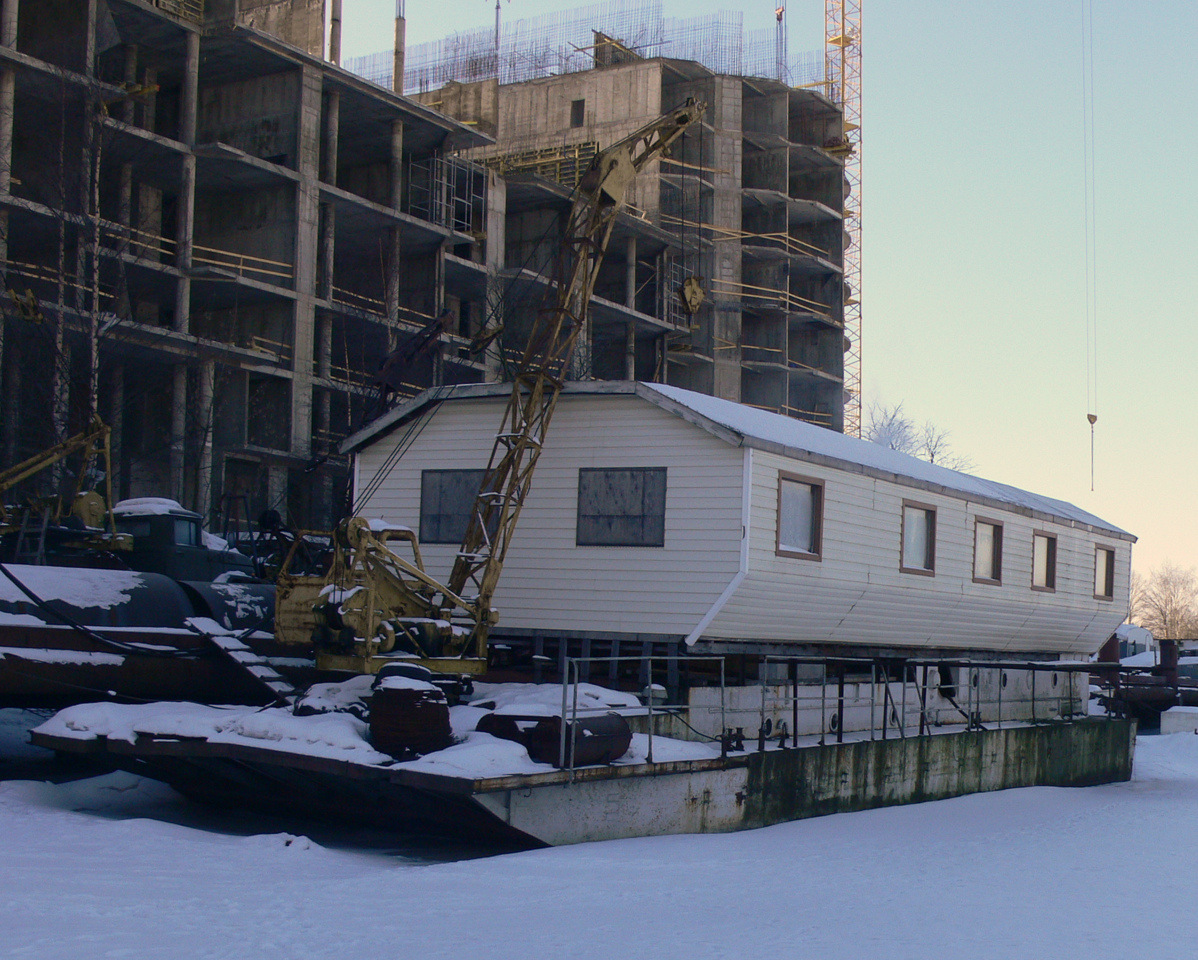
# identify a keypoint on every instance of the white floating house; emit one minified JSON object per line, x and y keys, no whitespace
{"x":658,"y":514}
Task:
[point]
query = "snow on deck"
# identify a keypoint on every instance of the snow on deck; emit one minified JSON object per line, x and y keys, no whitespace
{"x":342,"y":736}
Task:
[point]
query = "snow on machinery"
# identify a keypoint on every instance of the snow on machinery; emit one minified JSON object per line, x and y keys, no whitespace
{"x":378,"y":608}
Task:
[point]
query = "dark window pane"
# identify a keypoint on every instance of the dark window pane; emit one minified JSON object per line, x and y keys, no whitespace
{"x":622,"y":507}
{"x":187,"y":532}
{"x":446,"y":499}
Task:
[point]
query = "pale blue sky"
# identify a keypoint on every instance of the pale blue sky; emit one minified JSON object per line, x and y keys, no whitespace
{"x":973,"y":300}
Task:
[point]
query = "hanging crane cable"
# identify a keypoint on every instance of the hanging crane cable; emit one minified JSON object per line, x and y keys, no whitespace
{"x":1090,"y":224}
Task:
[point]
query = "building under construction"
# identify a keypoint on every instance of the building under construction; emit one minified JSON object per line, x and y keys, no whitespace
{"x":754,"y":200}
{"x":217,"y":236}
{"x":238,"y":251}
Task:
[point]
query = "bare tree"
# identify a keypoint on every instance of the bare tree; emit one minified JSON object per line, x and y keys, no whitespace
{"x":891,"y":427}
{"x":1168,"y":603}
{"x":1136,"y":598}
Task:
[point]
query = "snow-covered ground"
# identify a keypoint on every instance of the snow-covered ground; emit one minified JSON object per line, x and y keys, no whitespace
{"x":109,"y":867}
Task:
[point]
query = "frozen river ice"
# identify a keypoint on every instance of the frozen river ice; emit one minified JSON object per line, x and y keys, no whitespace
{"x":117,"y":866}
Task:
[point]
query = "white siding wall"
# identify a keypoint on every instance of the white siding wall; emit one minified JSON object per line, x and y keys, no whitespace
{"x":856,"y":593}
{"x":550,"y":584}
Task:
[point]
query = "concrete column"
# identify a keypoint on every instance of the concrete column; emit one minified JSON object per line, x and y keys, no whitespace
{"x":89,"y":40}
{"x":8,"y":86}
{"x":328,"y":234}
{"x":116,"y":421}
{"x":328,"y":173}
{"x":496,"y":244}
{"x":397,"y":63}
{"x":394,"y":251}
{"x":125,"y":200}
{"x":185,"y":226}
{"x":178,"y":430}
{"x":203,"y":504}
{"x":149,"y":103}
{"x":335,"y":33}
{"x":9,"y":10}
{"x":307,"y":231}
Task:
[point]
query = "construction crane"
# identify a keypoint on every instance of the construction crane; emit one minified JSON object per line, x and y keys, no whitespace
{"x":93,"y":442}
{"x":375,"y":601}
{"x":842,"y":81}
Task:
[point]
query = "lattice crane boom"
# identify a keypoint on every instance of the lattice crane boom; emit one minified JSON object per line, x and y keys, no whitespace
{"x":558,"y":331}
{"x":842,"y":79}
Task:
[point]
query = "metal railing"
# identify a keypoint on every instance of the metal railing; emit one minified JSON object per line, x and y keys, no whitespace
{"x":571,"y":712}
{"x":820,"y":699}
{"x":909,"y":697}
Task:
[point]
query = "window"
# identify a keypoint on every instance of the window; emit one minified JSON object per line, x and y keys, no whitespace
{"x":622,"y":507}
{"x":578,"y":112}
{"x":1044,"y":561}
{"x":187,"y":532}
{"x":446,"y":499}
{"x":919,"y":539}
{"x":987,"y":552}
{"x":1104,"y":573}
{"x":800,"y":516}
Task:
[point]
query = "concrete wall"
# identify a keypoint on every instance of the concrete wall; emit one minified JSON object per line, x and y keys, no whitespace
{"x":788,"y":784}
{"x":298,"y":22}
{"x":762,"y":789}
{"x":256,"y":115}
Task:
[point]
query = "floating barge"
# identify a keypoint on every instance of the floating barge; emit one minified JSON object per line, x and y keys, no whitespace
{"x":487,"y":788}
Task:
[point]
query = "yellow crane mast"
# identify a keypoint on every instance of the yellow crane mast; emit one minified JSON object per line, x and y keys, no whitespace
{"x":842,"y":80}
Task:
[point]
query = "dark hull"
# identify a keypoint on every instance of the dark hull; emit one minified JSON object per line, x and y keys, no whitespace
{"x":50,"y":666}
{"x":273,"y":782}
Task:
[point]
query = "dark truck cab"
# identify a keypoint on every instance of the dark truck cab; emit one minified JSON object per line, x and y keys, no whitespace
{"x":170,"y":540}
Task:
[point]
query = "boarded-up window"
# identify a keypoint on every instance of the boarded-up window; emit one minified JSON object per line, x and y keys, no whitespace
{"x":919,"y":538}
{"x":622,"y":507}
{"x":987,"y":552}
{"x":446,"y":499}
{"x":800,"y":516}
{"x":1104,"y":573}
{"x":1044,"y":562}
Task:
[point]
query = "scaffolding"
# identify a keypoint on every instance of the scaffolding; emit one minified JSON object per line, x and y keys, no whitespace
{"x":564,"y":42}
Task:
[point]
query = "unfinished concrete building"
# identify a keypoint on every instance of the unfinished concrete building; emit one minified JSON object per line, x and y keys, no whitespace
{"x":215,"y":235}
{"x":754,"y":201}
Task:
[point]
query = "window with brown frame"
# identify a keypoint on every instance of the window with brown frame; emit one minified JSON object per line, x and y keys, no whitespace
{"x":800,"y":517}
{"x":987,"y":551}
{"x":1104,"y":573}
{"x":918,"y":553}
{"x":1044,"y":561}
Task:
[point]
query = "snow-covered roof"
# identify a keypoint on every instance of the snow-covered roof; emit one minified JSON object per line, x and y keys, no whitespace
{"x":761,"y":429}
{"x":151,"y":507}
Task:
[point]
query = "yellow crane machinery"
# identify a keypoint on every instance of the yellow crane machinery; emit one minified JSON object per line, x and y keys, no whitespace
{"x":375,"y":602}
{"x":85,"y":505}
